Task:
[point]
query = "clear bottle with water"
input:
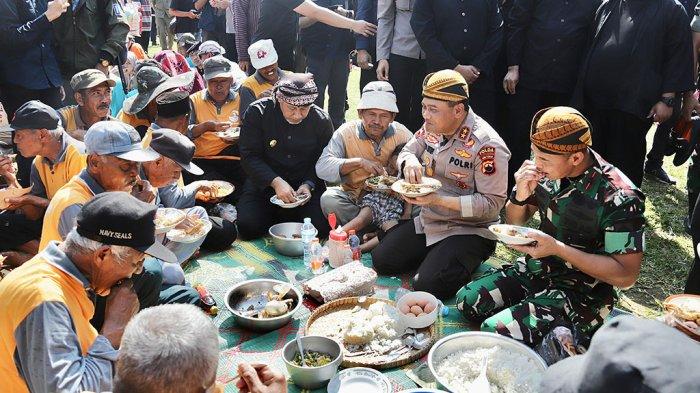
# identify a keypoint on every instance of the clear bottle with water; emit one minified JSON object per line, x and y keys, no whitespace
{"x":354,"y":243}
{"x":308,"y":232}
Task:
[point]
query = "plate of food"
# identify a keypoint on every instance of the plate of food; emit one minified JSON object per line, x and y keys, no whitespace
{"x":371,"y":332}
{"x":511,"y":234}
{"x":229,"y":135}
{"x":167,"y":218}
{"x":683,"y":313}
{"x":380,"y":183}
{"x":190,"y":230}
{"x":426,"y":186}
{"x":218,"y":189}
{"x":301,"y":199}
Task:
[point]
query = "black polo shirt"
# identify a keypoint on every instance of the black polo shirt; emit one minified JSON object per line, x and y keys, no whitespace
{"x":278,"y":22}
{"x":184,"y":25}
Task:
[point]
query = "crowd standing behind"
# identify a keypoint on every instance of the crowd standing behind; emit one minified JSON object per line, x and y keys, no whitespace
{"x":516,"y":106}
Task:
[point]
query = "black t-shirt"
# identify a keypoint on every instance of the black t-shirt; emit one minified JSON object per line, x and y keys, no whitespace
{"x":278,"y":22}
{"x":184,"y":25}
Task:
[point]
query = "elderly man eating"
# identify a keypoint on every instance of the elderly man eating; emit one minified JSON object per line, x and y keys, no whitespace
{"x":359,"y":150}
{"x":37,"y":132}
{"x":93,"y":93}
{"x":47,"y":343}
{"x":281,"y":139}
{"x":113,"y":164}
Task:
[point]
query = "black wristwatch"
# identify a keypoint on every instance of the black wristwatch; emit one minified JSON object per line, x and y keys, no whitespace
{"x":669,"y":101}
{"x":514,"y":201}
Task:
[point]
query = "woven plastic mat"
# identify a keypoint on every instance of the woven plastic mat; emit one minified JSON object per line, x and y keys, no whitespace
{"x":258,"y":259}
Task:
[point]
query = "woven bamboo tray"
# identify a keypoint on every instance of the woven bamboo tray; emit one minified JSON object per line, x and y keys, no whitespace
{"x":372,"y":361}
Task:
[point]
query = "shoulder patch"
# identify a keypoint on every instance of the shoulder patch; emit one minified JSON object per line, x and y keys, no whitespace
{"x":487,"y":155}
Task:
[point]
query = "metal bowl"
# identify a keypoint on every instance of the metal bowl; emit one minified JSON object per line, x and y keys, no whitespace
{"x":283,"y":241}
{"x":472,"y":340}
{"x":238,"y":299}
{"x":313,"y":377}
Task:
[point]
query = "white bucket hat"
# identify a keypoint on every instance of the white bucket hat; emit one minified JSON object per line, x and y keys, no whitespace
{"x":262,"y":54}
{"x":378,"y":95}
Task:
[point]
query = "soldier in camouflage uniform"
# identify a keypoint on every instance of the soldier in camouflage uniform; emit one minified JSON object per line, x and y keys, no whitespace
{"x":591,"y":237}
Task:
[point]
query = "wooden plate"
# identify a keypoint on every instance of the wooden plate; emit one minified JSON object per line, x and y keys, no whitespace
{"x":343,"y":306}
{"x":428,"y":186}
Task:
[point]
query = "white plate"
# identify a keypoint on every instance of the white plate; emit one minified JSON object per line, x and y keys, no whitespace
{"x":422,"y":390}
{"x":176,"y":215}
{"x":499,"y":231}
{"x":225,"y":188}
{"x":178,"y":235}
{"x":230,"y":135}
{"x":359,"y":380}
{"x":427,"y":186}
{"x":276,"y":201}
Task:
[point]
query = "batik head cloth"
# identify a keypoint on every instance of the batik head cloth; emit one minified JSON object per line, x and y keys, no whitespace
{"x":446,"y":85}
{"x":560,"y":130}
{"x":296,"y":89}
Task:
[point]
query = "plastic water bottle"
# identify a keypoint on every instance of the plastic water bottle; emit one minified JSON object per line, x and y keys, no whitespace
{"x":316,"y":264}
{"x":308,"y":232}
{"x":354,"y":243}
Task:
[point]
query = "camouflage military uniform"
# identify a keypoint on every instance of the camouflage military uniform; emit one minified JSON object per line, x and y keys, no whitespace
{"x":600,"y":212}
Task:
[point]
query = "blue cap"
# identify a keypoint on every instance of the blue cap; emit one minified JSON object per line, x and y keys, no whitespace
{"x":114,"y":138}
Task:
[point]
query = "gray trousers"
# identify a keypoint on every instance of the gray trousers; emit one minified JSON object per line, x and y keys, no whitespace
{"x":335,"y":200}
{"x":165,"y":37}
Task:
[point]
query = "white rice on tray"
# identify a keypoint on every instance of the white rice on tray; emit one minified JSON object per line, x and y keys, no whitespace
{"x":507,"y":371}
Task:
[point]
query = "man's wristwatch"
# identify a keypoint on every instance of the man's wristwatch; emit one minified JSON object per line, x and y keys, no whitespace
{"x":514,"y":201}
{"x":669,"y":101}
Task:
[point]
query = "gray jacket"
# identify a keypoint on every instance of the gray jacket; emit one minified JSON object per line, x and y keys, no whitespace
{"x":394,"y":32}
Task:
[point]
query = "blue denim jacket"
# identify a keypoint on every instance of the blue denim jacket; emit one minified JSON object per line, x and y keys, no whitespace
{"x":26,"y":41}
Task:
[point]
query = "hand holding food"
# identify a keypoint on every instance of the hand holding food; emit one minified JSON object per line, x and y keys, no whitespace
{"x":526,"y":179}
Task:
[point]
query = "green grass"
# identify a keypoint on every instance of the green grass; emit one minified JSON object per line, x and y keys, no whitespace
{"x":669,"y":251}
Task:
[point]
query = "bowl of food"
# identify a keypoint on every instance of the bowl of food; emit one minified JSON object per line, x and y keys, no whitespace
{"x":322,"y":356}
{"x":380,"y":183}
{"x":511,"y":234}
{"x":511,"y":366}
{"x":418,"y":309}
{"x":286,"y":237}
{"x":190,"y":230}
{"x":229,"y":135}
{"x":263,"y":304}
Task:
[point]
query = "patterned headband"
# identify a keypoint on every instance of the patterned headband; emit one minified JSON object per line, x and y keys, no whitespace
{"x":560,"y":130}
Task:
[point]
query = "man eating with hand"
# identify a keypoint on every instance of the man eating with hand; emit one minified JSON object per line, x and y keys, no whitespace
{"x":590,"y":240}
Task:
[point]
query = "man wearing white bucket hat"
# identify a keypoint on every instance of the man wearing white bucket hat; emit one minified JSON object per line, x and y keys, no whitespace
{"x":263,"y":57}
{"x":360,"y":149}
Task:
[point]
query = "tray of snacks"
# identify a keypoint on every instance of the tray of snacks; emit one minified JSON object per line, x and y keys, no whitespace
{"x":427,"y":186}
{"x":380,"y":183}
{"x":371,"y":332}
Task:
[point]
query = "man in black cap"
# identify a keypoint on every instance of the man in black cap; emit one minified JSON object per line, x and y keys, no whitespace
{"x":281,"y":139}
{"x":176,"y":152}
{"x":629,"y":355}
{"x":172,"y":111}
{"x":48,"y":343}
{"x":140,"y":110}
{"x":37,"y":132}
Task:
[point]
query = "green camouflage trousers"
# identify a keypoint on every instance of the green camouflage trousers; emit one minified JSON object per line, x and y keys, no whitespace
{"x":522,"y":305}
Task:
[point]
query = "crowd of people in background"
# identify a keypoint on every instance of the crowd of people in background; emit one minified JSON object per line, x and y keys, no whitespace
{"x":516,"y":106}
